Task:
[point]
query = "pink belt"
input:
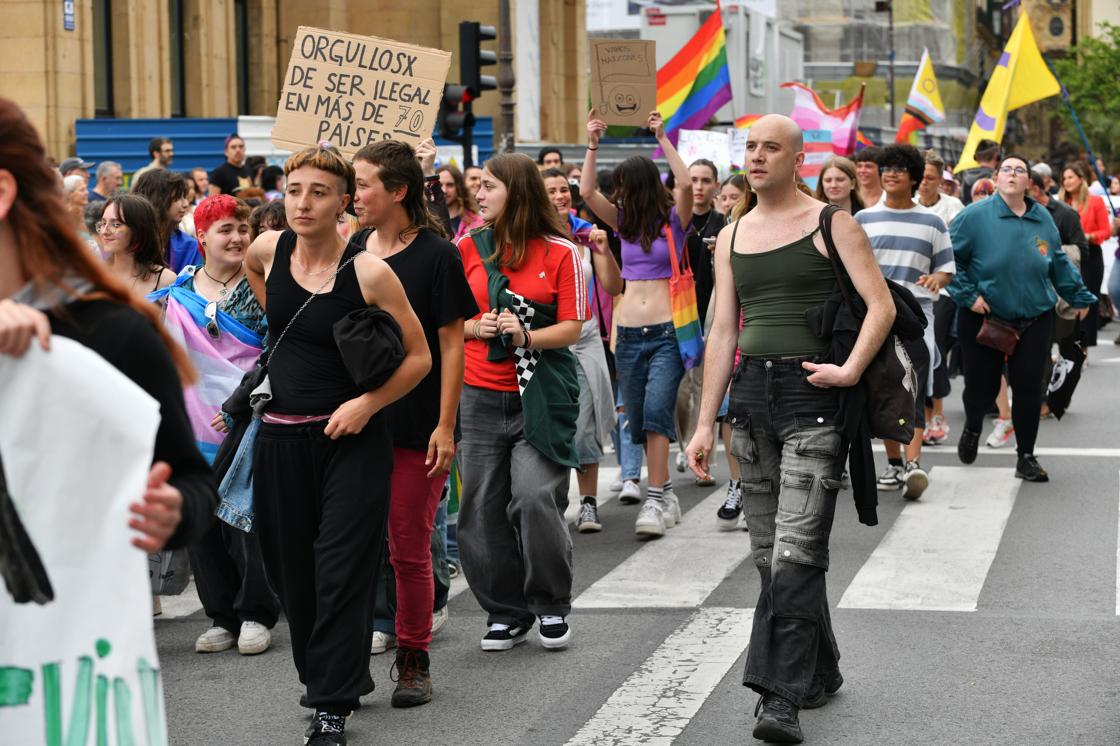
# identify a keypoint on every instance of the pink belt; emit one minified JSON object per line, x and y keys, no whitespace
{"x":273,"y":418}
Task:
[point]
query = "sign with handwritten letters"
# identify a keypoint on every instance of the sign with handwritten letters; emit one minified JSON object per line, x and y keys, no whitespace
{"x":707,"y":144}
{"x":624,"y":80}
{"x":78,"y":658}
{"x":355,"y":90}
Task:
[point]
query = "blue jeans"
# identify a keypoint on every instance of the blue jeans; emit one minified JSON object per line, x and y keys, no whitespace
{"x":1114,"y":284}
{"x":629,"y":453}
{"x":790,"y":453}
{"x":649,"y":371}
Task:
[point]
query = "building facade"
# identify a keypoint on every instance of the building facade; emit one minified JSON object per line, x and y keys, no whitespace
{"x":134,"y":59}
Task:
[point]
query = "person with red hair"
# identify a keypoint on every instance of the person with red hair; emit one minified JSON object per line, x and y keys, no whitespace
{"x":50,"y":283}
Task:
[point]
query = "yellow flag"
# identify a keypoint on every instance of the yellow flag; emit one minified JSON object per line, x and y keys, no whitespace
{"x":1021,"y":77}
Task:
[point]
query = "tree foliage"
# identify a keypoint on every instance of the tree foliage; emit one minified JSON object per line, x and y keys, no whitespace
{"x":1091,"y":74}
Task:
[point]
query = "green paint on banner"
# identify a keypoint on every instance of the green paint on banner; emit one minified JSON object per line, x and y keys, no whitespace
{"x":149,"y":691}
{"x":52,"y":703}
{"x":122,"y":704}
{"x":15,"y":686}
{"x":103,"y":647}
{"x":78,"y":732}
{"x":102,"y":710}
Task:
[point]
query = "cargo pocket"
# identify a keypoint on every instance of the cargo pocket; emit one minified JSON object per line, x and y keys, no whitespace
{"x":817,"y":437}
{"x":743,"y":446}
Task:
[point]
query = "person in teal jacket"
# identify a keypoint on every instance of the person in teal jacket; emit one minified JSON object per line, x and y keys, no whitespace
{"x":1010,"y":268}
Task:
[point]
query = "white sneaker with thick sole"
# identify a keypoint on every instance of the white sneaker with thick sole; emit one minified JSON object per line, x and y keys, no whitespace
{"x":651,"y":519}
{"x":671,"y":509}
{"x":1002,"y":434}
{"x":215,"y":640}
{"x":915,"y":481}
{"x":631,"y":493}
{"x":382,"y":641}
{"x":255,"y":638}
{"x":439,"y":620}
{"x":616,"y":485}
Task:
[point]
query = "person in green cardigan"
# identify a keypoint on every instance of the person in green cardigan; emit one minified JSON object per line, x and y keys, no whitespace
{"x":519,"y":407}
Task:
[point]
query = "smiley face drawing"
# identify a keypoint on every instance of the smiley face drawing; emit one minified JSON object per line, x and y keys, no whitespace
{"x":623,"y":100}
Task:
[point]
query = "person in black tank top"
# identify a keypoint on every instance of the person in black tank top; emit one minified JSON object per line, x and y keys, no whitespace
{"x":785,"y":408}
{"x":424,"y":424}
{"x":323,"y":458}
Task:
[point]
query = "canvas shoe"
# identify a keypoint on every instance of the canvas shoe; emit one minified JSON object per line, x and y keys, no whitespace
{"x":631,"y":493}
{"x":728,"y":514}
{"x":503,"y":637}
{"x":651,"y":520}
{"x":554,"y":632}
{"x":916,"y":480}
{"x":215,"y":640}
{"x":255,"y":638}
{"x":890,"y":479}
{"x":588,"y":522}
{"x":671,"y":509}
{"x":382,"y":641}
{"x":439,"y":620}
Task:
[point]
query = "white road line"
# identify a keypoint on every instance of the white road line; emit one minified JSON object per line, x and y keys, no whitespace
{"x":937,"y":554}
{"x":656,"y":703}
{"x":679,"y":570}
{"x":1038,"y":451}
{"x":1113,"y":360}
{"x":1118,"y":569}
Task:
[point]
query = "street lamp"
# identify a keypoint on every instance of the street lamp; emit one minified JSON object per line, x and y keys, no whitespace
{"x":887,"y":6}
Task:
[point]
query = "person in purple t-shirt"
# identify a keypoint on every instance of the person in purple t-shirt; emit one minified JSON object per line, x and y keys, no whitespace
{"x":647,"y":357}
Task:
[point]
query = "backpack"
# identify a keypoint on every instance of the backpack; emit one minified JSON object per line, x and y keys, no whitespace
{"x":890,"y":379}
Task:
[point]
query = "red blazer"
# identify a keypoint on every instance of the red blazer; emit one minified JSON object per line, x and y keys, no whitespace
{"x":1094,"y":220}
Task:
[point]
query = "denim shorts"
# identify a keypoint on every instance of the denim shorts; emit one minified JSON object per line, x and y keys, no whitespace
{"x":649,"y":367}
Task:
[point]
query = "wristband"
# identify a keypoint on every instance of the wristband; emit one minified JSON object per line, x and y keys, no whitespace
{"x":528,"y":339}
{"x":592,"y":148}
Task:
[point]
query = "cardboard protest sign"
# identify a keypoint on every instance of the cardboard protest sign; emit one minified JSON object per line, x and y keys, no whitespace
{"x":708,"y":144}
{"x":355,"y":90}
{"x":624,"y":80}
{"x":77,"y":649}
{"x":738,"y":146}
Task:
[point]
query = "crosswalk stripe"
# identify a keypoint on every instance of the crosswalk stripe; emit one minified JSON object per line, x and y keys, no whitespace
{"x":1118,"y":569}
{"x":679,"y":570}
{"x":1038,"y":451}
{"x":656,"y":703}
{"x":937,"y":554}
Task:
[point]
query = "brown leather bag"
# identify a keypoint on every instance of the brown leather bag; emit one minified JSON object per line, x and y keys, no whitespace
{"x":999,"y":335}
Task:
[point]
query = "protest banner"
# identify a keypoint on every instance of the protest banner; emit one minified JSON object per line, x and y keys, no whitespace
{"x":737,"y":137}
{"x":355,"y":90}
{"x":77,"y":649}
{"x":709,"y":144}
{"x":624,"y":80}
{"x":818,"y":151}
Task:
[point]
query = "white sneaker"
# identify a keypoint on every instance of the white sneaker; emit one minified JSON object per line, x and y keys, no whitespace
{"x":1001,"y":435}
{"x":616,"y":485}
{"x":631,"y":493}
{"x":382,"y":641}
{"x":682,"y":462}
{"x":651,"y":519}
{"x":214,"y":640}
{"x":671,"y":509}
{"x":554,"y":632}
{"x":255,"y":638}
{"x":915,"y":480}
{"x":439,"y":620}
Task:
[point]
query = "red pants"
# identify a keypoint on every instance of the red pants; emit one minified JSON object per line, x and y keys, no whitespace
{"x":412,"y":515}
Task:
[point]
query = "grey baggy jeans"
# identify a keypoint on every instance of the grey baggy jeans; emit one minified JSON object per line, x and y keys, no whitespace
{"x":514,"y":542}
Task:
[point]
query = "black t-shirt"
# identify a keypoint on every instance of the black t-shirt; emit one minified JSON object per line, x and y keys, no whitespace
{"x":431,"y":272}
{"x":700,"y":258}
{"x":228,"y":177}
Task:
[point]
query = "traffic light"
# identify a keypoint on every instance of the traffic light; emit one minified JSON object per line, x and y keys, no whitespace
{"x":452,"y":118}
{"x":472,"y":58}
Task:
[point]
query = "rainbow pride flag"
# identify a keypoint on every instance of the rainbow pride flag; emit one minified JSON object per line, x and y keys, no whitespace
{"x":744,"y":122}
{"x":693,"y":85}
{"x":221,"y":361}
{"x":863,"y":141}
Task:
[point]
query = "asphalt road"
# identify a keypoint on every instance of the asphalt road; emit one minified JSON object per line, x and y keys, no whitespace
{"x":986,"y":613}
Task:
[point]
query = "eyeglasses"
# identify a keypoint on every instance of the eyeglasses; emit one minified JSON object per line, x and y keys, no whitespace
{"x":211,"y":314}
{"x":1009,"y":170}
{"x":893,"y":170}
{"x":104,"y":226}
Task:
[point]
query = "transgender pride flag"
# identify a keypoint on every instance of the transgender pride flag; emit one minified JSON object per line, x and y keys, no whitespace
{"x":221,"y":360}
{"x":811,"y":114}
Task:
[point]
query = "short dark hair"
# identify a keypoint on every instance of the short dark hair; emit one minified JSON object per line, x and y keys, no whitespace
{"x":906,"y":156}
{"x":269,"y":216}
{"x":553,"y":173}
{"x":270,"y":178}
{"x":397,"y":167}
{"x":1017,"y":157}
{"x":866,"y":154}
{"x":545,"y":151}
{"x":155,"y":145}
{"x":1037,"y":179}
{"x":986,"y":150}
{"x":705,"y":162}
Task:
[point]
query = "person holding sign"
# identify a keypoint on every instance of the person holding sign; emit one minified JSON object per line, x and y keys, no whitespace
{"x":648,"y":360}
{"x":392,"y":208}
{"x":519,"y":407}
{"x":323,"y":459}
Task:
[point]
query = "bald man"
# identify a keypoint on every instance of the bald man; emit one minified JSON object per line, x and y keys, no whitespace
{"x":772,"y":265}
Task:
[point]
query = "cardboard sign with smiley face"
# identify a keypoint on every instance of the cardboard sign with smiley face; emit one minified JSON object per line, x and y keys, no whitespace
{"x":624,"y":80}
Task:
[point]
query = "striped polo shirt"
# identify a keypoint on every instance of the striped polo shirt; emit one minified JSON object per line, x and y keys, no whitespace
{"x":908,"y":244}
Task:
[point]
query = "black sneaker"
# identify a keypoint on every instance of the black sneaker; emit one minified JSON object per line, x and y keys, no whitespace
{"x":554,"y":632}
{"x":414,"y":682}
{"x":326,"y":730}
{"x":728,"y":514}
{"x":778,"y":721}
{"x":967,"y":446}
{"x":504,"y":637}
{"x":1027,"y":469}
{"x":588,"y":522}
{"x":821,"y":688}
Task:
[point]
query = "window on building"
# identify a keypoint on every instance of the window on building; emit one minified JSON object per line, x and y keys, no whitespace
{"x":178,"y":67}
{"x":102,"y":59}
{"x":241,"y":39}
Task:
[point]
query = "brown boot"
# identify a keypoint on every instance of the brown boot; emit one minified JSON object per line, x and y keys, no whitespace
{"x":414,"y":683}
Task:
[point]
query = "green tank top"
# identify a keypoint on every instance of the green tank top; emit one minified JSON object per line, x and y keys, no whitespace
{"x":775,"y":289}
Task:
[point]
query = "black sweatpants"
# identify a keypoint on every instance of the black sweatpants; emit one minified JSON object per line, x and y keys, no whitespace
{"x":230,"y":577}
{"x":322,"y":508}
{"x":1025,"y":369}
